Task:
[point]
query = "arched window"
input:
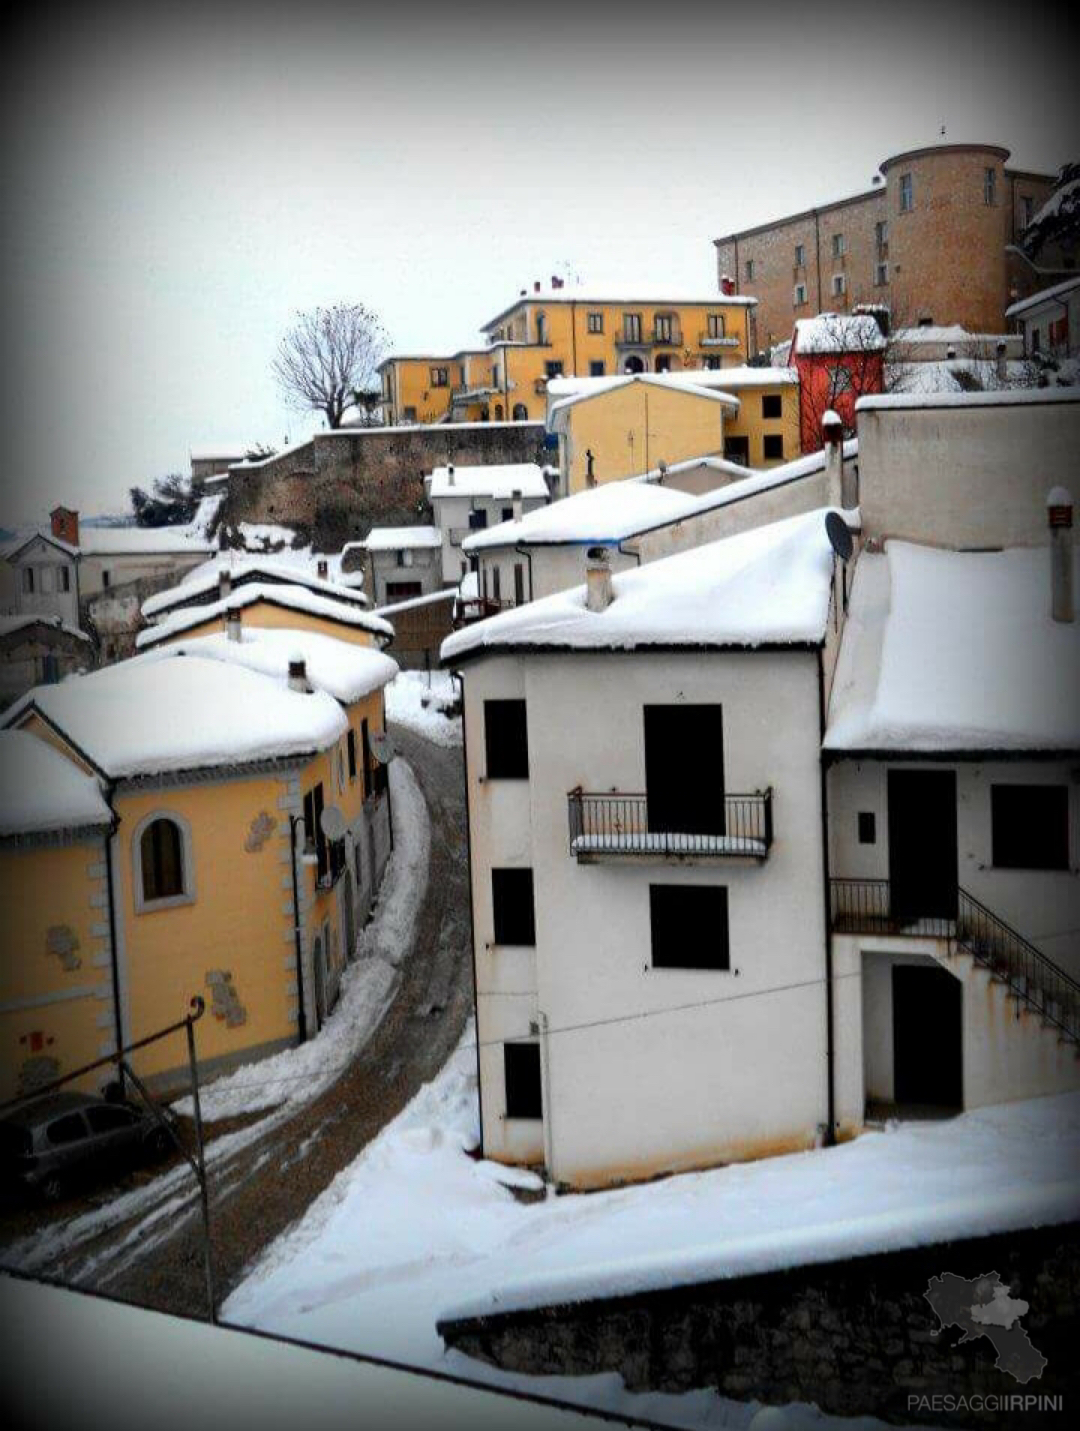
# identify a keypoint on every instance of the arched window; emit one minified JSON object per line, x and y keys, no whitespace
{"x":498,"y":412}
{"x":521,"y":412}
{"x":163,"y":868}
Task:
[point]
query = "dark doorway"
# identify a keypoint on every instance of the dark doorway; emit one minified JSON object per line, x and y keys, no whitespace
{"x":633,"y":364}
{"x":922,"y":844}
{"x":927,"y":1037}
{"x":684,"y":769}
{"x":737,"y":449}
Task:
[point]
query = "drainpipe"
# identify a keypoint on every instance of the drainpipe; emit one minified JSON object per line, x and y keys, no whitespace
{"x":527,"y":554}
{"x":114,"y":958}
{"x":830,"y":1060}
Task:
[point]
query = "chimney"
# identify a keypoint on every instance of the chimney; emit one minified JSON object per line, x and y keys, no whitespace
{"x":1059,"y":510}
{"x":298,"y":673}
{"x":65,"y":525}
{"x":1002,"y":366}
{"x":233,"y":625}
{"x":832,"y":432}
{"x":322,"y":569}
{"x":661,"y":472}
{"x":519,"y":505}
{"x":598,"y":594}
{"x":950,"y":353}
{"x":727,"y":285}
{"x":556,"y":282}
{"x":224,"y":583}
{"x":450,"y":474}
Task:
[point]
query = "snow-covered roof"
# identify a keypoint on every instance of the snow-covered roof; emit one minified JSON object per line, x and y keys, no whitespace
{"x":947,"y":333}
{"x":14,"y":545}
{"x":608,"y":513}
{"x":838,"y":333}
{"x":183,"y":713}
{"x":348,"y":672}
{"x":1043,"y":296}
{"x":8,"y":624}
{"x":138,"y":541}
{"x":244,"y":571}
{"x":632,"y":297}
{"x":40,"y":789}
{"x":653,"y":380}
{"x":768,"y":478}
{"x":499,"y":480}
{"x":291,"y":598}
{"x":955,"y":651}
{"x":1000,"y":397}
{"x":726,"y":379}
{"x":769,"y":586}
{"x":388,"y":539}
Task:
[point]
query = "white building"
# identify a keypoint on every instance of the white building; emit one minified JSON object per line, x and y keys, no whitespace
{"x":468,"y":499}
{"x":1050,"y":321}
{"x":39,"y":576}
{"x":649,"y":908}
{"x":403,"y":562}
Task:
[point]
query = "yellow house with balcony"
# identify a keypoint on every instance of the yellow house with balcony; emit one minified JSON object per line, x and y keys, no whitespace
{"x":552,"y":332}
{"x":214,"y":873}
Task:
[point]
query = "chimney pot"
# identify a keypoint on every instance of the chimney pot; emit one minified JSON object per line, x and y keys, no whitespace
{"x":518,"y":499}
{"x":598,"y":592}
{"x":233,"y":625}
{"x":224,"y":583}
{"x":322,"y":568}
{"x":450,"y":474}
{"x":1059,"y":511}
{"x":298,"y":674}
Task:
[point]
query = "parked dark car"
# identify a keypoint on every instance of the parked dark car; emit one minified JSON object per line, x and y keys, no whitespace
{"x":48,"y":1145}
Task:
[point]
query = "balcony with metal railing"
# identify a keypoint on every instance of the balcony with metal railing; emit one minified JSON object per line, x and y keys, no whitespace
{"x":617,"y":827}
{"x":868,"y":906}
{"x":716,"y":340}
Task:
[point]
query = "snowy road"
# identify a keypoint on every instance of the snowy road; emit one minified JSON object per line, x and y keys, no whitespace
{"x":145,"y":1245}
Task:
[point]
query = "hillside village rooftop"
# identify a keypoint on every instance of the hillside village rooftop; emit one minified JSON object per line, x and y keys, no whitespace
{"x":652,"y":380}
{"x":608,"y":513}
{"x":182,"y":713}
{"x":41,"y":790}
{"x":389,"y":539}
{"x":766,"y":587}
{"x":725,"y":379}
{"x":291,"y":598}
{"x":206,"y":579}
{"x":955,"y":651}
{"x":500,"y":480}
{"x":838,"y":333}
{"x":617,"y":293}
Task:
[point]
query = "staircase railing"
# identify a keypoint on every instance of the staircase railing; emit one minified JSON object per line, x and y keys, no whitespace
{"x":865,"y":906}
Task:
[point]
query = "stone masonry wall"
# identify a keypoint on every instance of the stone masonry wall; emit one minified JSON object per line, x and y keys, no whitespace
{"x":336,"y":487}
{"x":853,"y":1337}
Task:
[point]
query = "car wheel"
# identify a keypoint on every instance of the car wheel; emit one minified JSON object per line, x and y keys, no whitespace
{"x":52,"y":1188}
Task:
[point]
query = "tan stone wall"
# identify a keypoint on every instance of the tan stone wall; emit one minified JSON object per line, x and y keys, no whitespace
{"x":946,"y":256}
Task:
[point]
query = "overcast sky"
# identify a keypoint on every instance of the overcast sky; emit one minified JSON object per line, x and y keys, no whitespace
{"x":179,"y":181}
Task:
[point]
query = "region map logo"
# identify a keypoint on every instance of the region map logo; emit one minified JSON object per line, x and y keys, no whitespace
{"x":982,"y":1307}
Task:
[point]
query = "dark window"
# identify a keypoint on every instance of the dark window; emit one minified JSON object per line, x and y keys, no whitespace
{"x":689,"y":926}
{"x":365,"y":751}
{"x":496,"y":584}
{"x":519,"y":583}
{"x":749,"y":268}
{"x":1030,"y":826}
{"x":867,"y":827}
{"x":439,"y":377}
{"x":596,"y":322}
{"x":512,"y":902}
{"x":716,"y":325}
{"x":161,"y":851}
{"x":737,"y":449}
{"x":800,"y":255}
{"x":631,"y":324}
{"x":770,"y":405}
{"x":402,"y":590}
{"x":478,"y":519}
{"x":409,"y":414}
{"x":350,"y":746}
{"x":508,"y":514}
{"x":773,"y":445}
{"x":679,"y":800}
{"x":28,"y":579}
{"x":68,"y":1129}
{"x":65,"y":578}
{"x":313,"y":808}
{"x":553,"y":369}
{"x":106,"y":579}
{"x":521,"y":1065}
{"x":906,"y":196}
{"x":506,"y":741}
{"x":110,"y":1120}
{"x":521,"y":412}
{"x":663,"y":327}
{"x":50,"y":669}
{"x":596,"y":368}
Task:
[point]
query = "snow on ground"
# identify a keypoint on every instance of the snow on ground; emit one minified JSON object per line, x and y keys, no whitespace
{"x":416,"y":699}
{"x":415,"y":1230}
{"x":296,"y":1075}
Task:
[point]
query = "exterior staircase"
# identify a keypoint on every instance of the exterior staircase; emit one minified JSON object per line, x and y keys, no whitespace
{"x":1034,"y":981}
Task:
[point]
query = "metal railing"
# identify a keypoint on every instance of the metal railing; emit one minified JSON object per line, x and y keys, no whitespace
{"x":717,"y":340}
{"x":865,"y":906}
{"x":619,"y":824}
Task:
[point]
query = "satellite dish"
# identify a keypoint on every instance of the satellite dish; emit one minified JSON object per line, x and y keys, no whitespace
{"x":382,"y":747}
{"x":332,"y":823}
{"x":839,"y":535}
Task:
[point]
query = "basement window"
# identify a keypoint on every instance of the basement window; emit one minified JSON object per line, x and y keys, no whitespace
{"x":689,"y":924}
{"x":521,"y":1070}
{"x":867,"y":827}
{"x":512,"y":906}
{"x":506,"y":741}
{"x":1030,"y":825}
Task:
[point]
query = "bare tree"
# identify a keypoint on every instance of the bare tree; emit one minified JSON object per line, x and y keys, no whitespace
{"x":327,"y":356}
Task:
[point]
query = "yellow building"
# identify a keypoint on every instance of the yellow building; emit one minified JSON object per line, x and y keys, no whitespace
{"x":267,"y":605}
{"x":611,"y":428}
{"x":553,"y":332}
{"x":217,"y":758}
